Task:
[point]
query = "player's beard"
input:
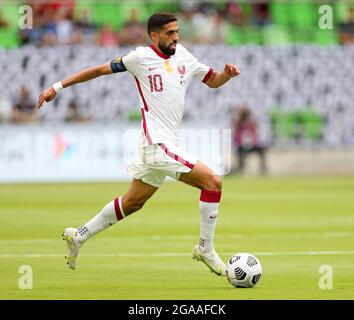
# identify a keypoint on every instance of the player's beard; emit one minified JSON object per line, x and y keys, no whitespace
{"x":167,"y":50}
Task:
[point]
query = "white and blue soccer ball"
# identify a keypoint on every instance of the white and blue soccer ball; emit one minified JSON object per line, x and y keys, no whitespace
{"x":243,"y":270}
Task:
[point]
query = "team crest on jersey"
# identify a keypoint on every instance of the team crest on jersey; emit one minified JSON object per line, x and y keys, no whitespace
{"x":181,"y":69}
{"x":168,"y":67}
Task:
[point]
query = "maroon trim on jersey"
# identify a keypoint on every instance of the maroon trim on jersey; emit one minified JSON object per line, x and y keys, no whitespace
{"x":146,"y":108}
{"x":146,"y":132}
{"x":160,"y":54}
{"x":141,"y":94}
{"x":117,"y":209}
{"x":207,"y":76}
{"x":176,"y":157}
{"x":210,"y":196}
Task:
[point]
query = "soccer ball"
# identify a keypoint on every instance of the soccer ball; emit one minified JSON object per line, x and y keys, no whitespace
{"x":243,"y":270}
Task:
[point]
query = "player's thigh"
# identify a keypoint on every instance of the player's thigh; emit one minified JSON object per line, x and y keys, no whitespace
{"x":202,"y":177}
{"x":138,"y":193}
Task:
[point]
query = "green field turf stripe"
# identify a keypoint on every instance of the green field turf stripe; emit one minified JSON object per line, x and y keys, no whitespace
{"x":190,"y":237}
{"x":168,"y":254}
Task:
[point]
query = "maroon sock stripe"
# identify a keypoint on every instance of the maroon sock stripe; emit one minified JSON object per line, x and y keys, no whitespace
{"x":210,"y":196}
{"x":117,"y":209}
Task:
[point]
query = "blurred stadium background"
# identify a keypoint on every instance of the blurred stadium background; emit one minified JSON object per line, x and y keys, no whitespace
{"x":296,"y":80}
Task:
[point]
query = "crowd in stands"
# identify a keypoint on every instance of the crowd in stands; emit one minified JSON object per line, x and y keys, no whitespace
{"x":62,"y":22}
{"x":59,"y":23}
{"x":119,"y":23}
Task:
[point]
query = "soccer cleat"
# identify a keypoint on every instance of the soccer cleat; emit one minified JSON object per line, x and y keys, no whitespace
{"x":211,"y":260}
{"x":73,"y":245}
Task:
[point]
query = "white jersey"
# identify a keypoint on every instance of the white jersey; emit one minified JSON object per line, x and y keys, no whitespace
{"x":162,"y":82}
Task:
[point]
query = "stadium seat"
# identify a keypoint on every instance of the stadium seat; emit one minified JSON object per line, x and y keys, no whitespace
{"x":11,"y":15}
{"x":126,"y":7}
{"x":280,"y":13}
{"x":326,"y":37}
{"x":254,"y":35}
{"x":276,"y":35}
{"x":83,"y":5}
{"x":8,"y":39}
{"x":235,"y":36}
{"x":284,"y":124}
{"x":312,"y":124}
{"x":113,"y":13}
{"x":290,"y":76}
{"x":9,"y":35}
{"x":244,"y":35}
{"x":161,"y":5}
{"x":303,"y":36}
{"x":303,"y":15}
{"x":134,"y":116}
{"x":107,"y":13}
{"x":341,"y":10}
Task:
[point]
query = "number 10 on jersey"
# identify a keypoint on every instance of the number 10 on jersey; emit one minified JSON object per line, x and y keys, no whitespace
{"x":155,"y":83}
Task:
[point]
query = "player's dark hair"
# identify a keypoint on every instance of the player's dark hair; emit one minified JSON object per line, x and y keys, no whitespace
{"x":158,"y":20}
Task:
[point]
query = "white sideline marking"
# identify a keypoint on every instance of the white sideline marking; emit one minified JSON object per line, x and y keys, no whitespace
{"x":168,"y":254}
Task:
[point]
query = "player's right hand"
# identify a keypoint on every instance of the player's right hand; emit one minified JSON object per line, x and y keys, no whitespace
{"x":46,"y":96}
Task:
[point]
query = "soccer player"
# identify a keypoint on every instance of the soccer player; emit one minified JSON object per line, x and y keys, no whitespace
{"x":162,"y":72}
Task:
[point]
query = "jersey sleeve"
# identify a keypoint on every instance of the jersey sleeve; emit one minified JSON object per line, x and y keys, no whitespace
{"x":131,"y":61}
{"x":202,"y":71}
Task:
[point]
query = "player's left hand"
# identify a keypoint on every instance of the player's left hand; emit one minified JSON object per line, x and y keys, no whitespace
{"x":231,"y":70}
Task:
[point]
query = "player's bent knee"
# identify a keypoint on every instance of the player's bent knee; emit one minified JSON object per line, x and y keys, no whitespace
{"x":217,"y":183}
{"x":213,"y":183}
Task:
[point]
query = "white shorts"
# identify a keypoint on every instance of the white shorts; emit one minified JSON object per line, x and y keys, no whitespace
{"x":157,"y":161}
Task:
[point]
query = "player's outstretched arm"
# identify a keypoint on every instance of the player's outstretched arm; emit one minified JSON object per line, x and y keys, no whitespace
{"x":81,"y":76}
{"x":217,"y":79}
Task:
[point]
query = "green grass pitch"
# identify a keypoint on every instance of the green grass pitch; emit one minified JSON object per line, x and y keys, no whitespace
{"x":294,"y":225}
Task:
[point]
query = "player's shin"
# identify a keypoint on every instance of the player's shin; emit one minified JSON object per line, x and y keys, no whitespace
{"x":209,"y":208}
{"x":108,"y":216}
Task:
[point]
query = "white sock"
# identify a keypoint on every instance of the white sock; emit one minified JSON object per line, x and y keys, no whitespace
{"x":209,"y":209}
{"x":108,"y":216}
